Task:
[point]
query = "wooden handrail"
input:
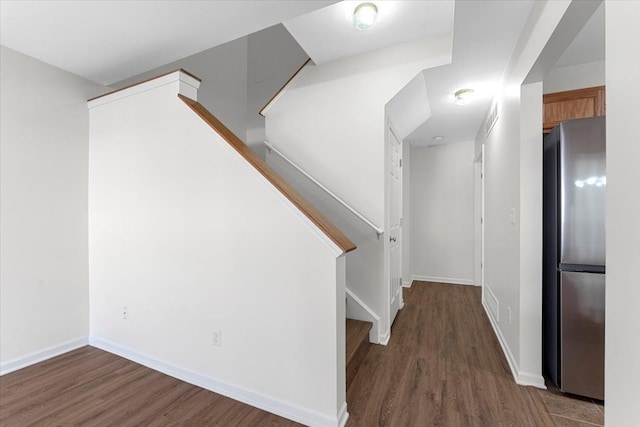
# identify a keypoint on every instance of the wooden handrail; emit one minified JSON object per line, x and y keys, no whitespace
{"x":261,"y":112}
{"x":330,"y":230}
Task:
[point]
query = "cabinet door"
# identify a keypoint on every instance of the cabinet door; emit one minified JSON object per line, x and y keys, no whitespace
{"x":573,"y":104}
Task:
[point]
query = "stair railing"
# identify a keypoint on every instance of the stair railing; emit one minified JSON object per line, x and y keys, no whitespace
{"x":379,"y":231}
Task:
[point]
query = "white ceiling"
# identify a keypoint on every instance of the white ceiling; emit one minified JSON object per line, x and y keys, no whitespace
{"x":485,"y":33}
{"x":107,"y":41}
{"x":328,"y":34}
{"x":589,"y":44}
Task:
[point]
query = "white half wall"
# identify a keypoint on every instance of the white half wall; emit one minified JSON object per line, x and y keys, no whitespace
{"x":622,"y":370}
{"x":193,"y":241}
{"x":364,"y":265}
{"x":442,"y":212}
{"x":44,"y":280}
{"x":223,"y":70}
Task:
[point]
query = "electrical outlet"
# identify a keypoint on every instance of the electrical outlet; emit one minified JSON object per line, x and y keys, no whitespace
{"x":217,"y":337}
{"x":124,"y":312}
{"x":509,"y":315}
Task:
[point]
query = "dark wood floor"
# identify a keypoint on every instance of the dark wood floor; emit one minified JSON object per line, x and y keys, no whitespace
{"x":90,"y":387}
{"x":442,"y":367}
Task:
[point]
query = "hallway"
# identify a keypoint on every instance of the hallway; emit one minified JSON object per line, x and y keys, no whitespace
{"x":443,"y":367}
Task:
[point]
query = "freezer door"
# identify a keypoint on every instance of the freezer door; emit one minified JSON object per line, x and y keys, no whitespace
{"x":582,"y":191}
{"x":582,"y":301}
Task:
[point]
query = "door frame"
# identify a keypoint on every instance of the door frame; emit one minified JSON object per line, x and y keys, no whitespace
{"x":478,"y":173}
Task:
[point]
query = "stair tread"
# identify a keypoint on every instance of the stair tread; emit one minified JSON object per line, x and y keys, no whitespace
{"x":357,"y":333}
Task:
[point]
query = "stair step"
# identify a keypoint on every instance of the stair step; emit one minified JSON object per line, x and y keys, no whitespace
{"x":357,"y":334}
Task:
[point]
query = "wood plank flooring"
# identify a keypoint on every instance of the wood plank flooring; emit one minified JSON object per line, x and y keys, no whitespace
{"x":90,"y":387}
{"x":357,"y":337}
{"x":442,"y":367}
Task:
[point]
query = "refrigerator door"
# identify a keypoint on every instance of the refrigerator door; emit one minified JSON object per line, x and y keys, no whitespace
{"x":550,"y":277}
{"x":582,"y":191}
{"x":582,"y":300}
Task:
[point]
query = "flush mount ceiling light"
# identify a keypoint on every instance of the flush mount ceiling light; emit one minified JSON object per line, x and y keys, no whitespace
{"x":463,"y":96}
{"x":365,"y":16}
{"x":438,"y":138}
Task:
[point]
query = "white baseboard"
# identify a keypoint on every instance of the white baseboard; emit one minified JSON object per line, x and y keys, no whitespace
{"x":384,"y":338}
{"x":407,"y":284}
{"x":41,"y":355}
{"x":343,"y":415}
{"x":250,"y":397}
{"x":449,"y":280}
{"x":521,"y":378}
{"x":358,"y":310}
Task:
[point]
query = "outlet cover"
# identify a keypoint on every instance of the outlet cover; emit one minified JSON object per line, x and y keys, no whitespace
{"x":217,"y":337}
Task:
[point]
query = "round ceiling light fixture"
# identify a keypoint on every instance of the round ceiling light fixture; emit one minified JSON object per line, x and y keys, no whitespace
{"x":365,"y":16}
{"x":463,"y":96}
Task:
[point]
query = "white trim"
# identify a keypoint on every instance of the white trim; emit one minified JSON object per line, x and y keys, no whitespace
{"x":534,"y":380}
{"x":361,"y":217}
{"x":188,"y":87}
{"x":521,"y":378}
{"x":365,"y":314}
{"x":407,"y":284}
{"x":42,"y":355}
{"x":452,"y":281}
{"x":383,"y":339}
{"x":285,"y":89}
{"x":494,"y":309}
{"x":343,"y":415}
{"x":254,"y":398}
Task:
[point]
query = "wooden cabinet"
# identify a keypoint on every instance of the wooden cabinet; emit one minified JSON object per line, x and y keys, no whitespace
{"x":573,"y":104}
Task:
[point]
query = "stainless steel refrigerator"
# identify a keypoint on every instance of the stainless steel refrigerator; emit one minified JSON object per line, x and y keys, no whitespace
{"x":574,"y":185}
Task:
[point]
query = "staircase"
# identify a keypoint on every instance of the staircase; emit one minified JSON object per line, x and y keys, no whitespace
{"x":357,"y":337}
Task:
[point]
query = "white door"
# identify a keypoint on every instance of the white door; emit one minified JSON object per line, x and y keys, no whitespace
{"x":394,"y":226}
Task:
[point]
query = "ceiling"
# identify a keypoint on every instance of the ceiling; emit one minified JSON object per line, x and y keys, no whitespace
{"x":327,"y":34}
{"x":485,"y":34}
{"x":107,"y":41}
{"x":589,"y":44}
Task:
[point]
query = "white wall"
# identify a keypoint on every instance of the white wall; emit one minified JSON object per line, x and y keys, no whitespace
{"x":331,"y":119}
{"x":239,"y":78}
{"x":442,"y":213}
{"x":273,"y":57}
{"x":43,"y":226}
{"x":622,"y":371}
{"x":407,"y":234}
{"x":530,"y":222}
{"x":223,"y":70}
{"x":364,"y":266}
{"x":574,"y":77}
{"x":190,"y":238}
{"x":513,"y":170}
{"x":331,"y":122}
